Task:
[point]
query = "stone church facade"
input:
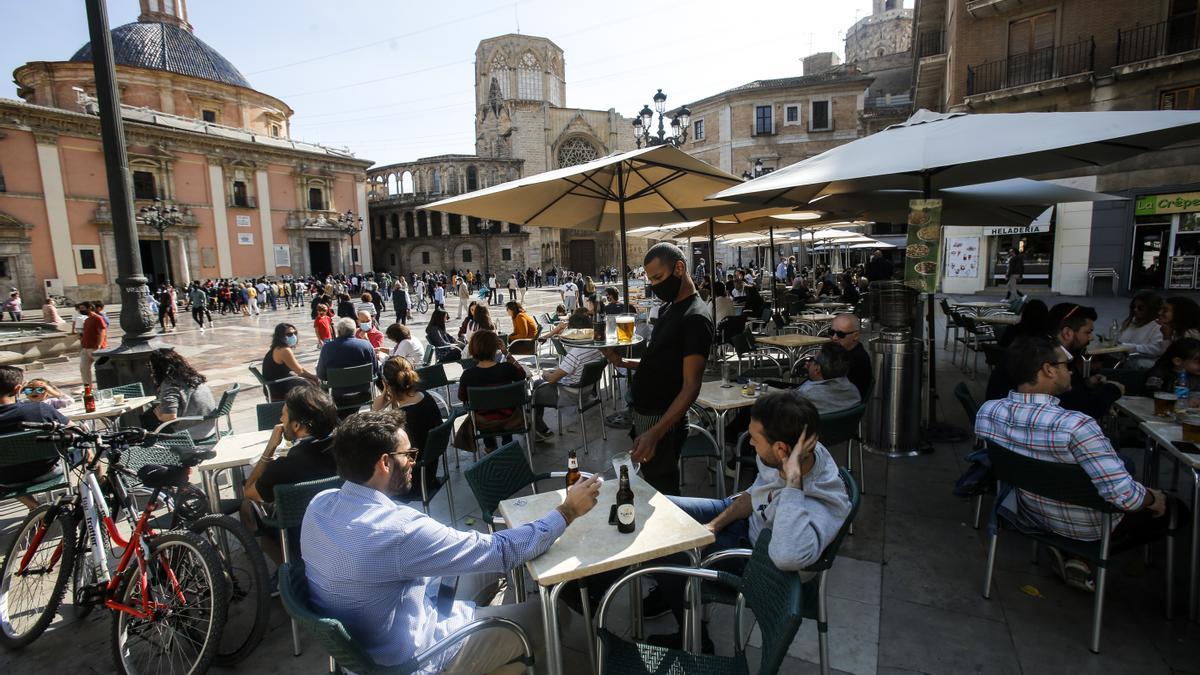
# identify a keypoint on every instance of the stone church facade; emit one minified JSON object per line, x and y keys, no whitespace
{"x":522,"y":128}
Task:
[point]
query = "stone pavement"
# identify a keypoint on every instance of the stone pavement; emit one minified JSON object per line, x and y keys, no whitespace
{"x":904,"y":594}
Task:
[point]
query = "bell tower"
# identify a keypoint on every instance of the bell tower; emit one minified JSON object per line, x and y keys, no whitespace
{"x":165,"y":11}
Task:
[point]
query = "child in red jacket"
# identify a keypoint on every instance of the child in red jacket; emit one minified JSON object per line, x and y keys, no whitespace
{"x":323,"y":325}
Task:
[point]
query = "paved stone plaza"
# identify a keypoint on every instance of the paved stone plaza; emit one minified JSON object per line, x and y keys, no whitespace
{"x":904,"y":595}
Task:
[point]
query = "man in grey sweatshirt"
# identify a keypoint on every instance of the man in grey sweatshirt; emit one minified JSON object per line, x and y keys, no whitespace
{"x":798,"y":494}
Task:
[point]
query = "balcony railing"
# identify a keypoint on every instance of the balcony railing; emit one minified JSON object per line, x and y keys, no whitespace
{"x":1175,"y":35}
{"x":1032,"y":67}
{"x":931,"y":43}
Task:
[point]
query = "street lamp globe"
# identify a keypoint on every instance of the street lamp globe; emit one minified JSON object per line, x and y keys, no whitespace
{"x":685,"y":117}
{"x":647,"y":116}
{"x":660,"y":101}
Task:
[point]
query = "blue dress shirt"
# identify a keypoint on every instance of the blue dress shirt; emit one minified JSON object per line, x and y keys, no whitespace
{"x":373,"y":564}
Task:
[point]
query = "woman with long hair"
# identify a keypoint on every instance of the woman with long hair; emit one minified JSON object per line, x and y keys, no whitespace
{"x":400,"y":392}
{"x":489,"y":371}
{"x":280,"y":362}
{"x":407,"y":345}
{"x":1179,"y":317}
{"x":467,"y":322}
{"x":1140,"y":329}
{"x":435,"y":333}
{"x":182,"y":392}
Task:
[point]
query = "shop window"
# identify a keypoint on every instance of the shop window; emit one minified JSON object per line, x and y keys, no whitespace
{"x":818,"y":119}
{"x":316,"y":199}
{"x":424,"y":257}
{"x":763,"y":123}
{"x":1187,"y":98}
{"x":506,"y":254}
{"x":466,"y":255}
{"x":240,"y":197}
{"x":143,"y":185}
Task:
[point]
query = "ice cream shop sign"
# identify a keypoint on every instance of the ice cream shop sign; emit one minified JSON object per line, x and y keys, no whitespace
{"x":1179,"y":202}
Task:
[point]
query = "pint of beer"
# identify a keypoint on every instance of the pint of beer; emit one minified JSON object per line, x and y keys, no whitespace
{"x":1191,"y":427}
{"x":625,"y":324}
{"x":1164,"y":403}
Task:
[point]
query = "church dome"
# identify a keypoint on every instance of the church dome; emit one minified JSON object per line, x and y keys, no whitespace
{"x":170,"y":47}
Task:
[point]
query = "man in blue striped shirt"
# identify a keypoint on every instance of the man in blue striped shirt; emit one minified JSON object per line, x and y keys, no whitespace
{"x":374,"y":564}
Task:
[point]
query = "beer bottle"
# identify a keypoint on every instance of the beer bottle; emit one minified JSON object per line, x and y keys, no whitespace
{"x":572,"y":469}
{"x":89,"y":401}
{"x":625,"y":511}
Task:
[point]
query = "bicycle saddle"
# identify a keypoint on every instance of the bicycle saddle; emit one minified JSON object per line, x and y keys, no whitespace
{"x":160,"y":476}
{"x":194,"y":457}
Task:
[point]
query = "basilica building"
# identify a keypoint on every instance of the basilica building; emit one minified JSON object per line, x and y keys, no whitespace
{"x":252,"y":201}
{"x":522,"y":127}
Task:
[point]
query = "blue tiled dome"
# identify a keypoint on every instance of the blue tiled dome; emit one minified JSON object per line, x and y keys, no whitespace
{"x":165,"y":46}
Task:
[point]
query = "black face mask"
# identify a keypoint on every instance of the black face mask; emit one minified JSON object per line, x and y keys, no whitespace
{"x":668,"y":288}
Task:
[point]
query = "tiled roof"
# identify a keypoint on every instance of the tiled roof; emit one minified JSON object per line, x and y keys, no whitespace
{"x":165,"y":46}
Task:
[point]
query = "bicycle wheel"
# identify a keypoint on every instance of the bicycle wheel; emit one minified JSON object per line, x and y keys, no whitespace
{"x":246,"y":574}
{"x":185,"y":585}
{"x":35,"y":573}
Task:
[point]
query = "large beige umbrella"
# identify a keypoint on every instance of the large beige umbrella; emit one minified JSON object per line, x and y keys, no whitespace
{"x":650,"y":186}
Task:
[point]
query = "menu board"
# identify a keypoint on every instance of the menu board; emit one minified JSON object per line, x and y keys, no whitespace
{"x":962,"y":257}
{"x":923,"y":251}
{"x":1183,"y":272}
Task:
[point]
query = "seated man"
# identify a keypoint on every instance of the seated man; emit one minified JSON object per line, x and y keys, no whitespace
{"x":307,"y":422}
{"x":12,"y":414}
{"x":846,"y":331}
{"x":568,"y":372}
{"x":1030,"y":421}
{"x":346,"y":351}
{"x":798,"y":494}
{"x":373,"y":563}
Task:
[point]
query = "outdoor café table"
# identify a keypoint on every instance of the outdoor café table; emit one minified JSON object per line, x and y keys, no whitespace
{"x":831,"y":306}
{"x":1165,"y":435}
{"x":1101,"y":349}
{"x":591,"y":546}
{"x":812,"y":317}
{"x":981,"y":305}
{"x":721,"y":400}
{"x":107,"y":410}
{"x":1000,"y":319}
{"x":792,"y":343}
{"x":234,"y":451}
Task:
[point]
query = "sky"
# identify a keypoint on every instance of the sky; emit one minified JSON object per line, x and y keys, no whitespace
{"x":394,"y":80}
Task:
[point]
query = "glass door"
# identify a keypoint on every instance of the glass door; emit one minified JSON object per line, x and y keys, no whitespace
{"x":1150,"y":245}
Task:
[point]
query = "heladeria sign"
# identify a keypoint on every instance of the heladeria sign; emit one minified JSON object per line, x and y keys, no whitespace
{"x":1004,"y":231}
{"x":1179,"y":202}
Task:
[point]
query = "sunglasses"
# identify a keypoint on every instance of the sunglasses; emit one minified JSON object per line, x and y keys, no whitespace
{"x":33,"y":390}
{"x":843,"y":334}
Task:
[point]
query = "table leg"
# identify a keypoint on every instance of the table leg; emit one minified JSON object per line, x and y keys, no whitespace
{"x":635,"y":607}
{"x":209,"y":479}
{"x":1194,"y":565}
{"x":1087,"y":366}
{"x":550,"y":628}
{"x":721,"y":447}
{"x":691,"y":627}
{"x":588,"y":628}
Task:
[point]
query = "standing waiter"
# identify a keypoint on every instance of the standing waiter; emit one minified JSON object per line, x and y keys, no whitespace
{"x":667,"y":378}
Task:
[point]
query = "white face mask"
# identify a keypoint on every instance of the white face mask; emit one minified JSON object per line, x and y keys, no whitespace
{"x":365,"y":326}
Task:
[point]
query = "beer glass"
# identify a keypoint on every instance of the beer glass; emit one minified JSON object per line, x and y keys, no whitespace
{"x":625,"y":324}
{"x":1191,"y":427}
{"x":626,"y":459}
{"x":1164,"y":403}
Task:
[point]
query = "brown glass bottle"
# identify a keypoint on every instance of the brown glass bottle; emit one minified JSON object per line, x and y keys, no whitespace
{"x":573,"y":474}
{"x":89,"y":401}
{"x":626,"y":516}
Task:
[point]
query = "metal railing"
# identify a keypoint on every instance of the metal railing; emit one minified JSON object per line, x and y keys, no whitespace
{"x":1031,"y":67}
{"x":1175,"y":35}
{"x":931,"y":43}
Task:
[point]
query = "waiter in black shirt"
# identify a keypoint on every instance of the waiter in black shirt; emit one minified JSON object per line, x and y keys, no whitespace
{"x":667,"y":379}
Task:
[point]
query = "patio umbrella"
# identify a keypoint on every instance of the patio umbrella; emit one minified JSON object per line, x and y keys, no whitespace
{"x":650,"y":186}
{"x":933,"y":151}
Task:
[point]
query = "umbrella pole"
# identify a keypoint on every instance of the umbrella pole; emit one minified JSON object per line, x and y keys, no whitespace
{"x":624,"y":245}
{"x":938,"y":432}
{"x":712,"y":268}
{"x":774,"y":266}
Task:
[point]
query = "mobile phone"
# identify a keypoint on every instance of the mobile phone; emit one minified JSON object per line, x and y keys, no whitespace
{"x":1187,"y":448}
{"x":612,"y":515}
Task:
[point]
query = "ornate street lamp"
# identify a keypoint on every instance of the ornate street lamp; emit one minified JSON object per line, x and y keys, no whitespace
{"x":161,"y":218}
{"x":678,"y":125}
{"x":350,"y":225}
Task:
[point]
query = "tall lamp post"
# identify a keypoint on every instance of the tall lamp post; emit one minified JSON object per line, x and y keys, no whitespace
{"x":161,"y":218}
{"x":678,"y":125}
{"x":351,"y":225}
{"x":486,"y":226}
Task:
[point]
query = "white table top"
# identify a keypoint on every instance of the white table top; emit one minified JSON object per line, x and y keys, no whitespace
{"x":1000,"y":319}
{"x":76,"y":413}
{"x":1140,"y":408}
{"x":590,"y":545}
{"x":237,"y":450}
{"x":713,"y":397}
{"x":813,"y":317}
{"x":792,"y":341}
{"x":1166,"y":434}
{"x":982,"y":304}
{"x":1109,"y":348}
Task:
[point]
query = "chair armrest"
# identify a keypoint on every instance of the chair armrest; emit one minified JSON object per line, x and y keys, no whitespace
{"x":727,"y":554}
{"x":164,"y":425}
{"x":470,"y":629}
{"x":716,"y":576}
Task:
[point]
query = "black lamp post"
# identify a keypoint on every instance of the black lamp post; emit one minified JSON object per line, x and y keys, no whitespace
{"x":486,"y":226}
{"x":351,"y":225}
{"x":161,"y":218}
{"x":678,"y":125}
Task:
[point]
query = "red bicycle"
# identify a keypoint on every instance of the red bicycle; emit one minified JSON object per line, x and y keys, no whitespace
{"x":167,"y":591}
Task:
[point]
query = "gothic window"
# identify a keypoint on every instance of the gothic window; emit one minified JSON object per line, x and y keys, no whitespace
{"x":501,"y":75}
{"x":143,"y":185}
{"x":554,"y":91}
{"x":529,"y":78}
{"x":406,"y":183}
{"x":409,"y":228}
{"x":472,"y":179}
{"x":392,"y":187}
{"x":576,"y":151}
{"x":437,"y":181}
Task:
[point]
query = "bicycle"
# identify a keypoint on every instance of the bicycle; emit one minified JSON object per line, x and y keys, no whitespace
{"x":167,"y":592}
{"x":422,"y":304}
{"x":242,"y":558}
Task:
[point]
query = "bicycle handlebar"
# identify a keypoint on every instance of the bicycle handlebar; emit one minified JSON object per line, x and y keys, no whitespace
{"x":129,"y":436}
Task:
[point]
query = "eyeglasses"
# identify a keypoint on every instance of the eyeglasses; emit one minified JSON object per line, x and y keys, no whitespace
{"x":839,"y":334}
{"x":33,"y":390}
{"x":411,"y":454}
{"x":1059,"y":363}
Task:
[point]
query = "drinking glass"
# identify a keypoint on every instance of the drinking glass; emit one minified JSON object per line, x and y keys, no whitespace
{"x":1164,"y":403}
{"x":624,"y":459}
{"x":105,"y":397}
{"x":625,"y":325}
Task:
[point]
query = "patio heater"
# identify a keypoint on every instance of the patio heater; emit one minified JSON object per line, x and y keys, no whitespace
{"x":892,"y":424}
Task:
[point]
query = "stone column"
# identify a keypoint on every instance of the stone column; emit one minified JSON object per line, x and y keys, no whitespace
{"x":56,"y":209}
{"x":263,"y":188}
{"x":364,"y":237}
{"x":216,"y":184}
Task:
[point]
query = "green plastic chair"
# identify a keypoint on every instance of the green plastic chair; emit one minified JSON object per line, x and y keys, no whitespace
{"x":700,"y":444}
{"x":268,"y":414}
{"x":291,"y":501}
{"x":131,"y":390}
{"x":816,"y":605}
{"x":352,"y":378}
{"x":433,"y":376}
{"x":22,"y":447}
{"x":589,"y":380}
{"x":835,"y":427}
{"x":223,"y":409}
{"x":434,"y":453}
{"x":346,"y":653}
{"x":501,"y":397}
{"x":1071,"y":484}
{"x":266,"y":384}
{"x":774,"y":596}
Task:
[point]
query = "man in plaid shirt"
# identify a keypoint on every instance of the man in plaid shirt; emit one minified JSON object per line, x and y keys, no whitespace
{"x":1030,"y":421}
